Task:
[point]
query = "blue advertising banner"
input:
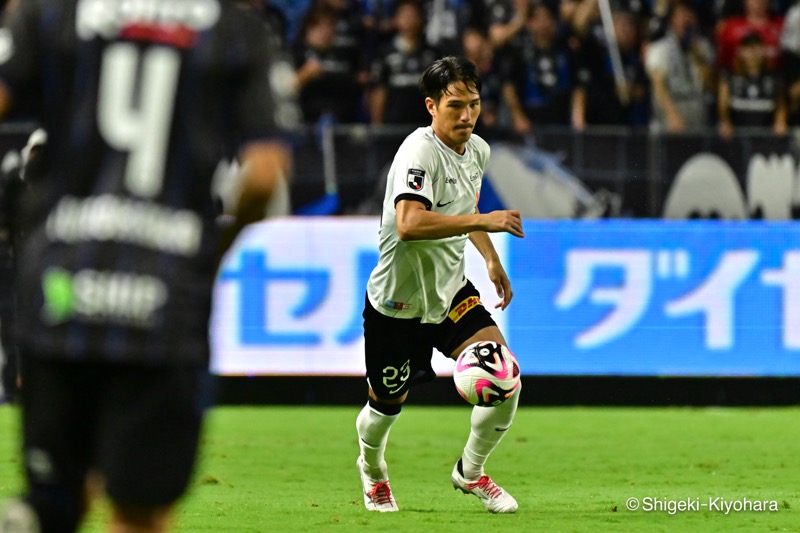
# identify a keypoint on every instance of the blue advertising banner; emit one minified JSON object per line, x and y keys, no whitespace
{"x":622,"y":297}
{"x":610,"y":297}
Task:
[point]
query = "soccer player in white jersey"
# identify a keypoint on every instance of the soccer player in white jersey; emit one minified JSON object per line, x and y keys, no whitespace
{"x":418,"y":297}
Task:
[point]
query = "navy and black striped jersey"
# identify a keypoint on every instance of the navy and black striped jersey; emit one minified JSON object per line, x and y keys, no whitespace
{"x":141,"y":100}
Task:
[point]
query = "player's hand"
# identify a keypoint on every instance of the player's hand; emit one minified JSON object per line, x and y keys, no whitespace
{"x":502,"y":284}
{"x":504,"y":221}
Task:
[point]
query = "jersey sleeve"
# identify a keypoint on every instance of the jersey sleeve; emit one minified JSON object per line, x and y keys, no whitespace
{"x":266,"y":105}
{"x":19,"y":48}
{"x":484,"y":153}
{"x":414,"y":174}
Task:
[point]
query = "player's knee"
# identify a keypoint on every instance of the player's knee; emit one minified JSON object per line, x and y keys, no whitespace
{"x":388,"y":409}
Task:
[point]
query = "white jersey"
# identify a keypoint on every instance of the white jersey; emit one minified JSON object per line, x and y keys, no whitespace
{"x":421,"y":278}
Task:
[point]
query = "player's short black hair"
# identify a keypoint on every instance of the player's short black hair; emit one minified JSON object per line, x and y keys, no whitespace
{"x":443,"y":72}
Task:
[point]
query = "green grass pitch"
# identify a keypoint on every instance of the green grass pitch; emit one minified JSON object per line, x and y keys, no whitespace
{"x":276,"y":469}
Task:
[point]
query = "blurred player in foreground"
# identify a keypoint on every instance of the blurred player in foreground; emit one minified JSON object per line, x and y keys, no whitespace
{"x":140,"y":100}
{"x":418,"y":297}
{"x":12,"y":186}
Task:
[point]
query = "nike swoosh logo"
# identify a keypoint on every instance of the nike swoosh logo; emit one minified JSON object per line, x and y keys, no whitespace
{"x":440,"y":204}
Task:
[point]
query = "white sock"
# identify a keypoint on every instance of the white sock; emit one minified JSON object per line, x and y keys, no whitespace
{"x":488,"y":426}
{"x":373,"y":433}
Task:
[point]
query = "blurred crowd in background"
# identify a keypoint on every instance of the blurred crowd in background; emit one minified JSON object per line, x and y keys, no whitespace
{"x":670,"y":65}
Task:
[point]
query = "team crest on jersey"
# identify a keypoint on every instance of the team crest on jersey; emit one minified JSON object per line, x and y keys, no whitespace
{"x":416,"y":179}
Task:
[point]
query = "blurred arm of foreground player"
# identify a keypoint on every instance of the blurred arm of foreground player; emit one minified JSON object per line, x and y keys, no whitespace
{"x":264,"y":163}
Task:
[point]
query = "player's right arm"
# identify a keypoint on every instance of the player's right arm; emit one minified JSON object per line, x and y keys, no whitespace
{"x":415,"y":222}
{"x":264,"y":164}
{"x":266,"y":113}
{"x":413,"y":189}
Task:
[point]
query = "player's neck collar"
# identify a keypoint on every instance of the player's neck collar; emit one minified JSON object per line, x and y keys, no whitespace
{"x":448,"y":148}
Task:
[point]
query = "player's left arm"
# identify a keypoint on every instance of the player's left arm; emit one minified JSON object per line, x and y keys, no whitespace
{"x":497,"y":274}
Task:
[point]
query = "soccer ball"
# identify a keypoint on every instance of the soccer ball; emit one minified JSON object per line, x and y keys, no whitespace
{"x":486,"y":373}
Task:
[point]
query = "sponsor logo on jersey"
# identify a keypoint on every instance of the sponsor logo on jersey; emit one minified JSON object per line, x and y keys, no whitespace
{"x":450,"y":180}
{"x":416,"y":179}
{"x":101,"y":297}
{"x":474,"y":177}
{"x":112,"y":218}
{"x":463,"y":308}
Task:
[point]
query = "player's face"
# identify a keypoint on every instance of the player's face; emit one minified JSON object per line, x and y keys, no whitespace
{"x":455,"y":115}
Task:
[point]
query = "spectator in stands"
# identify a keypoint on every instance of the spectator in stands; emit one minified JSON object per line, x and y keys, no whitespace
{"x":544,"y":89}
{"x":327,"y":76}
{"x":706,"y":13}
{"x":679,"y":68}
{"x":448,"y":20}
{"x":507,"y":20}
{"x":379,"y":19}
{"x":725,"y":9}
{"x":293,"y":12}
{"x":584,"y":16}
{"x":756,"y":18}
{"x":397,"y":68}
{"x":479,"y":50}
{"x":751,"y":94}
{"x":657,"y":25}
{"x":606,"y":102}
{"x":350,"y":37}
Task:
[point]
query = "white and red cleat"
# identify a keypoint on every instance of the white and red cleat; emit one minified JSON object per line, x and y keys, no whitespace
{"x":493,"y":497}
{"x":377,"y":493}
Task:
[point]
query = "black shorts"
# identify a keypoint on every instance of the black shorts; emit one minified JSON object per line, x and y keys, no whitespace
{"x":136,"y":426}
{"x":398,"y":351}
